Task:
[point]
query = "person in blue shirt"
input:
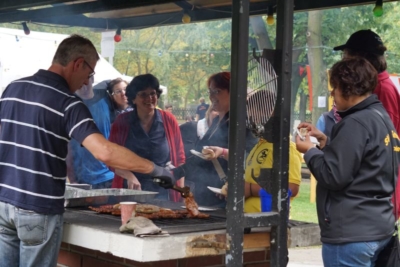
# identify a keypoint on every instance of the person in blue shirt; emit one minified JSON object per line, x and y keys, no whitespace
{"x":327,"y":120}
{"x":83,"y":168}
{"x":117,"y":90}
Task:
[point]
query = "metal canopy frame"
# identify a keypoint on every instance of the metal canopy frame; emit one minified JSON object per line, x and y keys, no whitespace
{"x":71,"y":12}
{"x":237,"y":221}
{"x":83,"y":13}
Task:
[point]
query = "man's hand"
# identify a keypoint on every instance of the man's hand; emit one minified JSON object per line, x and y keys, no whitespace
{"x":164,"y":177}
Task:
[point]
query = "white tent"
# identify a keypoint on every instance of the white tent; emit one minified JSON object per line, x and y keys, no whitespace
{"x":23,"y":55}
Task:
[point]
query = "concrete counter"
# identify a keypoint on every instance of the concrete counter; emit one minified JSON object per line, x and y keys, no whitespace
{"x":99,"y":235}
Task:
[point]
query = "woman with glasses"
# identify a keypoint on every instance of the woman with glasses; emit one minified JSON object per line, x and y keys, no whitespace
{"x":150,"y":132}
{"x":200,"y":173}
{"x":117,"y":89}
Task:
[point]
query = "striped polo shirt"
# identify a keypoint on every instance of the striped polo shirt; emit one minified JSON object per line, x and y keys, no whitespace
{"x":39,"y":115}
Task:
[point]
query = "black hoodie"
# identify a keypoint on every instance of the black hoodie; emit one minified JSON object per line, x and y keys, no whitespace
{"x":355,"y":176}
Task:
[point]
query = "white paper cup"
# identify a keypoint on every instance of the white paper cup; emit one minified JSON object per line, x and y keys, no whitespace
{"x":127,"y":209}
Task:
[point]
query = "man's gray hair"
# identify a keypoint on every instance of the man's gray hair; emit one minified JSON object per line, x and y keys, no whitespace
{"x":74,"y":47}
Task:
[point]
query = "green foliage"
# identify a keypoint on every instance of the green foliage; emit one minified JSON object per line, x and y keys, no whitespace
{"x":184,"y":56}
{"x":181,"y":56}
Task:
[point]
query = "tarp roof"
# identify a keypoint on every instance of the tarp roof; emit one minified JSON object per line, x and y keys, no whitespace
{"x":113,"y":14}
{"x":22,"y":55}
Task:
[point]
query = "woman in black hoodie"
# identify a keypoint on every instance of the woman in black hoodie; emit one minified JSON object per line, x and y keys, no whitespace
{"x":354,"y":169}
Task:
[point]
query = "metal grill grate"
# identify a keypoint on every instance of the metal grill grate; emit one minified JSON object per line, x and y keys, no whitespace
{"x":216,"y":221}
{"x":261,"y":95}
{"x":210,"y":223}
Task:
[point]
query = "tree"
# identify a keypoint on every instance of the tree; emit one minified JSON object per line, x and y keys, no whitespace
{"x":315,"y":59}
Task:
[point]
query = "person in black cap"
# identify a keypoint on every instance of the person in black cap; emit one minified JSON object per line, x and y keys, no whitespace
{"x":368,"y":45}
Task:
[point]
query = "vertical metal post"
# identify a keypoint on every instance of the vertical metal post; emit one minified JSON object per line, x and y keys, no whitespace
{"x":283,"y":60}
{"x":237,"y":132}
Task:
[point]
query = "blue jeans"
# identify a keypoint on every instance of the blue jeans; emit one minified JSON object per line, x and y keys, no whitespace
{"x":28,"y":238}
{"x":358,"y":254}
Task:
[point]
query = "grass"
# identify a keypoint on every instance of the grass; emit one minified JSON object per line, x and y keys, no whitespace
{"x":301,"y":208}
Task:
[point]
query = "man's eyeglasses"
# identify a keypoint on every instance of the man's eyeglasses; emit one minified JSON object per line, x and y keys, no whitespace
{"x":92,"y":73}
{"x":119,"y":92}
{"x":144,"y":95}
{"x":213,"y":91}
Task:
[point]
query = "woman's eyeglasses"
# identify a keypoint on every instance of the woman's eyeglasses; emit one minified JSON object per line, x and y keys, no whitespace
{"x":144,"y":95}
{"x":119,"y":92}
{"x":213,"y":91}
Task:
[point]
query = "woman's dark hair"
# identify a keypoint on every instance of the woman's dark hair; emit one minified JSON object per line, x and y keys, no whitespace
{"x":378,"y":61}
{"x":141,"y":83}
{"x":222,"y":80}
{"x":114,"y":82}
{"x":353,"y":76}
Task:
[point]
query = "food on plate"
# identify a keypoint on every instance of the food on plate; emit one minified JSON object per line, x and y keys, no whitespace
{"x":117,"y":206}
{"x":303,"y":131}
{"x":208,"y":153}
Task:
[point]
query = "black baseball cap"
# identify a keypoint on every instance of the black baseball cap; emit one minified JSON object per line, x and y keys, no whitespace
{"x":364,"y":40}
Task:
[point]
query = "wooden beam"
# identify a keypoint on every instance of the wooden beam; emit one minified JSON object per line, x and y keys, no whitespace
{"x":139,"y":22}
{"x":16,"y":4}
{"x":304,"y":5}
{"x":256,"y":240}
{"x":67,"y":10}
{"x":79,"y":21}
{"x":185,"y":5}
{"x":71,"y":15}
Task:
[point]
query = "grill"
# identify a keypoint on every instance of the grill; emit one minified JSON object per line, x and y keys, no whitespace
{"x":108,"y":222}
{"x":186,"y":225}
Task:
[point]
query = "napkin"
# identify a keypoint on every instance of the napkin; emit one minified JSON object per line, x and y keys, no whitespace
{"x":141,"y":226}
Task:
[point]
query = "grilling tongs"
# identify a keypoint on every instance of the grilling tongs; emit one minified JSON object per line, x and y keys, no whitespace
{"x":185,"y":191}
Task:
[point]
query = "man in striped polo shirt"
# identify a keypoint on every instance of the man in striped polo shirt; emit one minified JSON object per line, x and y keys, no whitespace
{"x":39,"y":115}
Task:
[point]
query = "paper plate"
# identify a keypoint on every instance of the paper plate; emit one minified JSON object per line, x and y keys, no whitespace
{"x":215,"y":190}
{"x":197,"y":153}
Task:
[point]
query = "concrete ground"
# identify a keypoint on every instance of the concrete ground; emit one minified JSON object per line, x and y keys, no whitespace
{"x":305,"y":257}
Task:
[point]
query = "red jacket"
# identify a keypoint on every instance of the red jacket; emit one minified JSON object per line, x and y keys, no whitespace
{"x":389,"y":96}
{"x":119,"y":133}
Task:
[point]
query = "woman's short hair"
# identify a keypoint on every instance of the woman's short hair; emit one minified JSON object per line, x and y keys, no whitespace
{"x":113,"y":83}
{"x":376,"y":60}
{"x":353,"y":76}
{"x":222,"y":80}
{"x":141,"y":83}
{"x":74,"y":47}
